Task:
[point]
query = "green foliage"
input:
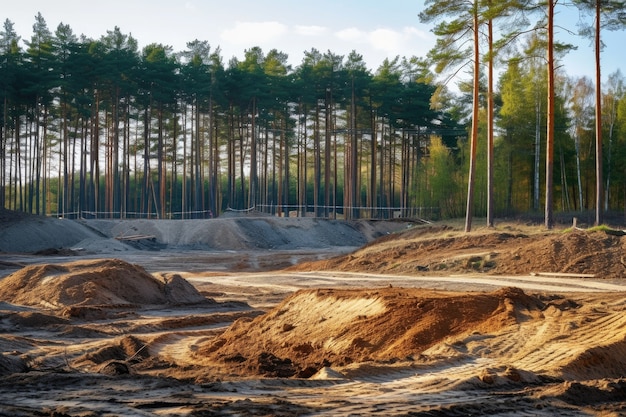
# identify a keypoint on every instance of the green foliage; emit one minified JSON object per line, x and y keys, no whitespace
{"x":99,"y":125}
{"x":439,"y":181}
{"x":131,"y":132}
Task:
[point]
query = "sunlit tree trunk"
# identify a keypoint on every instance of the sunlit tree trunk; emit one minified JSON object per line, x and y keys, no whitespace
{"x":381,"y":174}
{"x":490,"y":126}
{"x":145,"y":200}
{"x":537,"y":150}
{"x":198,"y":181}
{"x":469,"y":211}
{"x":599,"y":185}
{"x":616,"y":91}
{"x":373,"y":178}
{"x":327,"y":152}
{"x":3,"y":153}
{"x":161,"y":167}
{"x":354,"y":167}
{"x":302,"y":162}
{"x":125,"y":189}
{"x":242,"y":162}
{"x":94,"y":169}
{"x":317,"y":168}
{"x":253,"y":183}
{"x":214,"y":158}
{"x":549,"y":211}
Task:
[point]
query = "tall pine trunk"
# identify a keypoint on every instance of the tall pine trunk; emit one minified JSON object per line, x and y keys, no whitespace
{"x":549,"y":209}
{"x":327,"y":153}
{"x":469,"y":211}
{"x":490,"y":124}
{"x":599,"y":190}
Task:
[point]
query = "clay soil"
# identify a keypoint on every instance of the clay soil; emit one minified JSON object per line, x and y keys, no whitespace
{"x":259,"y":316}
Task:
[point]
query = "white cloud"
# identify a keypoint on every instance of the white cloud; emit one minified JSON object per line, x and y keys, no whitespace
{"x":386,"y":39}
{"x":390,"y":41}
{"x":413,"y":31}
{"x":247,"y":33}
{"x":406,"y":42}
{"x":310,"y":30}
{"x":352,"y":35}
{"x":375,"y":45}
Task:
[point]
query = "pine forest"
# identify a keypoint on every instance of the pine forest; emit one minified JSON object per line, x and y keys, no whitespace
{"x":485,"y":125}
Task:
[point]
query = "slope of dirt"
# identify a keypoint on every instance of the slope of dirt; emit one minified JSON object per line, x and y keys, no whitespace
{"x":20,"y":232}
{"x":578,"y":252}
{"x":474,"y":340}
{"x":102,"y":282}
{"x":24,"y":233}
{"x":317,"y":328}
{"x":236,"y":233}
{"x":442,"y":250}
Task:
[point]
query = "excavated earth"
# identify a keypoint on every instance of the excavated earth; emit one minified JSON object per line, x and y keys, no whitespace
{"x":264,"y":316}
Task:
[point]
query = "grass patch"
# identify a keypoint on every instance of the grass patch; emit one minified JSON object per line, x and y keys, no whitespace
{"x":600,"y":228}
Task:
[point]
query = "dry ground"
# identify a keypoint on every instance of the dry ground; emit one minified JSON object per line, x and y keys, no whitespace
{"x":264,"y":316}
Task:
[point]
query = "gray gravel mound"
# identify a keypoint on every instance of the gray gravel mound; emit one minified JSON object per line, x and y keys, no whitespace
{"x":245,"y":233}
{"x":35,"y":233}
{"x":30,"y":234}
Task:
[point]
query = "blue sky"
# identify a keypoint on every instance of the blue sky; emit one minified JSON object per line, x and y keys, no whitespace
{"x":376,"y":29}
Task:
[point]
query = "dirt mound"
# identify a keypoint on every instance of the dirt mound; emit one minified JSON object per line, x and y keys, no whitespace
{"x":34,"y":319}
{"x":589,"y":392}
{"x":578,"y":252}
{"x":127,"y":348}
{"x":106,"y":282}
{"x":239,"y":233}
{"x":10,"y":364}
{"x":317,"y":328}
{"x":29,"y":233}
{"x":24,"y":233}
{"x":440,"y":250}
{"x":10,"y":216}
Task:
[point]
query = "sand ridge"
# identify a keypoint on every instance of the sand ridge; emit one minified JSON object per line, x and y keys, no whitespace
{"x":441,"y":250}
{"x":317,"y":328}
{"x":99,"y":282}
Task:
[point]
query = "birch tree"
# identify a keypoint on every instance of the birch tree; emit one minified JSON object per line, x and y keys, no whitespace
{"x":614,"y":93}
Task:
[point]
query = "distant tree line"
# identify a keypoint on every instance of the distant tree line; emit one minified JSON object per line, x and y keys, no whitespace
{"x":101,"y":128}
{"x":98,"y":126}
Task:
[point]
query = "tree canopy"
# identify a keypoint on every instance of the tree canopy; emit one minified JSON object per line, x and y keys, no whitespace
{"x":104,"y":128}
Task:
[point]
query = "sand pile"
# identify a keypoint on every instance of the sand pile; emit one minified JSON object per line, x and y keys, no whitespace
{"x":107,"y":282}
{"x":233,"y":233}
{"x":21,"y":232}
{"x":115,"y":358}
{"x":24,"y":233}
{"x":504,"y":337}
{"x":10,"y":364}
{"x":415,"y":251}
{"x":313,"y":329}
{"x":578,"y":252}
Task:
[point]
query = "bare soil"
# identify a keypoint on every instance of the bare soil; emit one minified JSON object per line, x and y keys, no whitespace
{"x":281,"y":317}
{"x":509,"y":249}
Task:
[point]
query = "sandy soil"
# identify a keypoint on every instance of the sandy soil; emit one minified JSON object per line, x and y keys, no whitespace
{"x":284,"y":317}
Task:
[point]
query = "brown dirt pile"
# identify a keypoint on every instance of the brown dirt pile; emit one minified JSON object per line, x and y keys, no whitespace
{"x":579,"y":252}
{"x":115,"y":358}
{"x":103,"y":282}
{"x":317,"y":328}
{"x":437,"y":250}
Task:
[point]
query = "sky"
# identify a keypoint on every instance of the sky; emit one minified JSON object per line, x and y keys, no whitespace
{"x":375,"y":29}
